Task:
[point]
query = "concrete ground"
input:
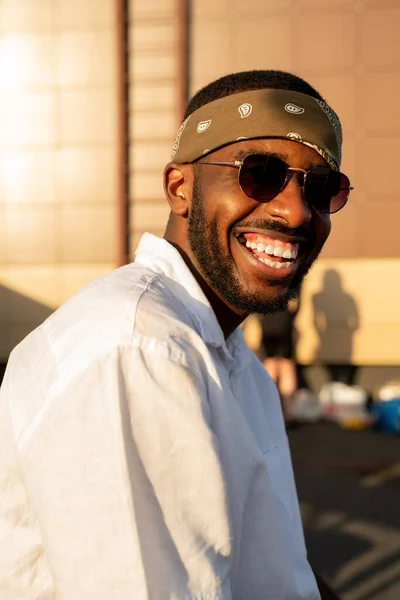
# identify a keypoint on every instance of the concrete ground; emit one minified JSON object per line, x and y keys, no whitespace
{"x":349,"y":490}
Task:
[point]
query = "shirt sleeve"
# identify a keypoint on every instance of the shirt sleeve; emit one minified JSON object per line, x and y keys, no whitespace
{"x":126,"y":479}
{"x":24,"y":572}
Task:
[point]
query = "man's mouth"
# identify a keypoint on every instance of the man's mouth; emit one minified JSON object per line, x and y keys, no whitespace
{"x":270,"y":251}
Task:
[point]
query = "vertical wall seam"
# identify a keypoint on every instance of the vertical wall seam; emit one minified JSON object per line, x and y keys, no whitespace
{"x":124,"y":183}
{"x":184,"y":17}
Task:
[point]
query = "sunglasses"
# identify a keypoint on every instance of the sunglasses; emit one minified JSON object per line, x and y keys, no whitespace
{"x":264,"y":176}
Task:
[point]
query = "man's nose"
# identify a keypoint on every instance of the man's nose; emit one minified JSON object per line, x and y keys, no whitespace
{"x":290,"y":204}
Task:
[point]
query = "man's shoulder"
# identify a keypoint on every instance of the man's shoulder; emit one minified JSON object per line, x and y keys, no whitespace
{"x":130,"y":302}
{"x":103,"y":310}
{"x":164,"y":313}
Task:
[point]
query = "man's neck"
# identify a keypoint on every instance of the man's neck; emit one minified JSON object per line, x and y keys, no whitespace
{"x":228,"y":319}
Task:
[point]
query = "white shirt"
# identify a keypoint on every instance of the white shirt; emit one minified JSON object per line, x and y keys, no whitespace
{"x":142,"y":455}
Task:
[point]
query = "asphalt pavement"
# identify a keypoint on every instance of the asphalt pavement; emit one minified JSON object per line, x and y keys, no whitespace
{"x":349,"y":490}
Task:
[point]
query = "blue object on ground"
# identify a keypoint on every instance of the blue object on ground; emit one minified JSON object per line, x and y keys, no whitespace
{"x":387,"y":415}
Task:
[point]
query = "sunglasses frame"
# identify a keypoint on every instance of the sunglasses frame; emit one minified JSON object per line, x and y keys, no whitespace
{"x":238,"y":164}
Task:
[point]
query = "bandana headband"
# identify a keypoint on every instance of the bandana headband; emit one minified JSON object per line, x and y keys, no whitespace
{"x":266,"y":113}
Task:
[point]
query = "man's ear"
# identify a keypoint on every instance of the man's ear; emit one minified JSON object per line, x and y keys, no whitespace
{"x":178,"y":182}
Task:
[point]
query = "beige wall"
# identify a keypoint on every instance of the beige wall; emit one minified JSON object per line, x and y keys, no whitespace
{"x":153,"y":110}
{"x":58,"y":155}
{"x":60,"y":143}
{"x":350,"y":51}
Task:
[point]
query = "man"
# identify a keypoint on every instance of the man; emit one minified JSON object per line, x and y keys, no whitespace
{"x":276,"y":348}
{"x":144,"y":451}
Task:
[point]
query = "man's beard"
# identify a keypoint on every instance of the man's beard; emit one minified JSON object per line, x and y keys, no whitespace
{"x":218,"y":268}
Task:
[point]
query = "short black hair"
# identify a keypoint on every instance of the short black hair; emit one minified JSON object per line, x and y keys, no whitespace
{"x":249,"y":80}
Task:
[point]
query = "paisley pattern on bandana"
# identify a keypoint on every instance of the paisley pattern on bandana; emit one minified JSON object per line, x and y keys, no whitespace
{"x":334,"y":120}
{"x":323,"y":152}
{"x":265,"y":113}
{"x":175,"y":147}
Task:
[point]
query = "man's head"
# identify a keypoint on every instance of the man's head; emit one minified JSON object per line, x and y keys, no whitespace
{"x":251,"y":229}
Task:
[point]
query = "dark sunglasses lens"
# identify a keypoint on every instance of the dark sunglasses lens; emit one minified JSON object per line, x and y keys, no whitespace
{"x":342,"y":196}
{"x":326,"y":190}
{"x":262,"y":177}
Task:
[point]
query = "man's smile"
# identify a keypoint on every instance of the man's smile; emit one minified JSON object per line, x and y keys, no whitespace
{"x":270,"y":251}
{"x":276,"y":250}
{"x":276,"y":259}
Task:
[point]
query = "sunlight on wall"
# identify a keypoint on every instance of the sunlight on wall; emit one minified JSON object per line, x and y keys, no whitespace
{"x":58,"y":155}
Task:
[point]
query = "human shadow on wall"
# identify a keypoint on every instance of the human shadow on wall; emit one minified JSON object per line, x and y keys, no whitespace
{"x":19,"y":315}
{"x":336,"y":319}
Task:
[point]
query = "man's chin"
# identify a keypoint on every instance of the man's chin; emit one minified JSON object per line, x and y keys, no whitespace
{"x":278,"y":304}
{"x":247,"y":304}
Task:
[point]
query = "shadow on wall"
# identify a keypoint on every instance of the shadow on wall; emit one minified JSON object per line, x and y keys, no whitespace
{"x":336,"y":319}
{"x":19,"y":315}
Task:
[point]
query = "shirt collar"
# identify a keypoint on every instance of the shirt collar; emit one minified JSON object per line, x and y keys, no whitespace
{"x":162,"y":257}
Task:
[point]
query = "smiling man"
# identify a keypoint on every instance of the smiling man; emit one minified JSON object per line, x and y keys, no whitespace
{"x":144,"y":450}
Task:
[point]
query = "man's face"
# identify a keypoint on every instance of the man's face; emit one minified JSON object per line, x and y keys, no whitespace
{"x":236,"y":243}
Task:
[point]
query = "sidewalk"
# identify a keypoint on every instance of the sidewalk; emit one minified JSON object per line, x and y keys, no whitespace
{"x":349,"y":490}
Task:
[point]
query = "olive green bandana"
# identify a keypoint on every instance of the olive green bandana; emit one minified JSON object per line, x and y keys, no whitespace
{"x":266,"y":113}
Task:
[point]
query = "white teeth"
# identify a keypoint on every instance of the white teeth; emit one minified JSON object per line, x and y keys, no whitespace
{"x":274,"y":251}
{"x":272,"y":263}
{"x":286,"y":253}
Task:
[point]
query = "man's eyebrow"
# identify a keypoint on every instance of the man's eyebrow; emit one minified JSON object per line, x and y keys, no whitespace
{"x":243,"y":153}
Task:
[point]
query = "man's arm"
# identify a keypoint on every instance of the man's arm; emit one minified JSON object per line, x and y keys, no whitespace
{"x":24,"y":571}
